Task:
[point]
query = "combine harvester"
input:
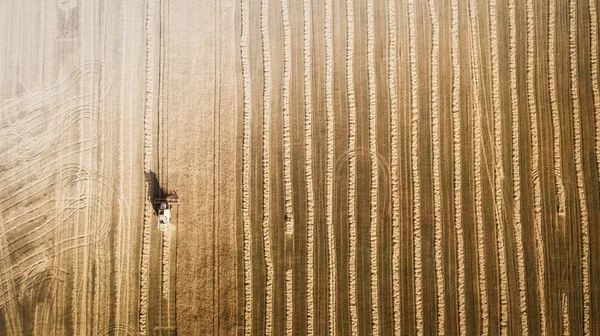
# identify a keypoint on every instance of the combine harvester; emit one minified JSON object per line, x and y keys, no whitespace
{"x":164,"y":211}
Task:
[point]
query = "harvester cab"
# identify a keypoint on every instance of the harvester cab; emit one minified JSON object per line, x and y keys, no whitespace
{"x":164,"y":211}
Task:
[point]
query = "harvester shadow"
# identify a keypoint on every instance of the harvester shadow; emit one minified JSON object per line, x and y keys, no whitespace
{"x":155,"y":190}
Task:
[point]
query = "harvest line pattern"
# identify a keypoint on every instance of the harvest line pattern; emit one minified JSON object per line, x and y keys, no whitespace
{"x":266,"y":164}
{"x":515,"y":168}
{"x":497,"y":140}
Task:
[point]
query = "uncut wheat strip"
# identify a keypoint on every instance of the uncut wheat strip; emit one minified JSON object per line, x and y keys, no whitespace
{"x":244,"y":41}
{"x":435,"y":125}
{"x":330,"y":148}
{"x":307,"y":11}
{"x":579,"y":166}
{"x":498,"y":173}
{"x":395,"y":166}
{"x":516,"y":167}
{"x":287,"y":165}
{"x":415,"y":170}
{"x":478,"y":153}
{"x":264,"y":29}
{"x":594,"y":66}
{"x":374,"y":165}
{"x":457,"y":170}
{"x":559,"y":181}
{"x":595,"y":88}
{"x":352,"y":165}
{"x":144,"y":276}
{"x":531,"y":100}
{"x":289,"y":303}
{"x":564,"y":304}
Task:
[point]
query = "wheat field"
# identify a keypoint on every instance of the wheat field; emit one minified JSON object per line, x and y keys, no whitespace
{"x":344,"y":167}
{"x":418,"y":167}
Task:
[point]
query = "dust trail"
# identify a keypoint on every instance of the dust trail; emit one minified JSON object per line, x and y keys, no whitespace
{"x":478,"y":154}
{"x":457,"y":171}
{"x":554,"y":107}
{"x":244,"y":40}
{"x":352,"y":164}
{"x":264,"y":29}
{"x":289,"y":214}
{"x":594,"y":66}
{"x":516,"y":167}
{"x":565,"y":315}
{"x":394,"y":169}
{"x":585,"y":235}
{"x":374,"y":164}
{"x":143,"y":316}
{"x":415,"y":169}
{"x":309,"y":180}
{"x":498,"y":173}
{"x":531,"y":100}
{"x":437,"y":193}
{"x":330,"y":148}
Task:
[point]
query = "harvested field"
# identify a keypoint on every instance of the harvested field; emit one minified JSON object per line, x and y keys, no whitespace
{"x":344,"y":167}
{"x":418,"y":167}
